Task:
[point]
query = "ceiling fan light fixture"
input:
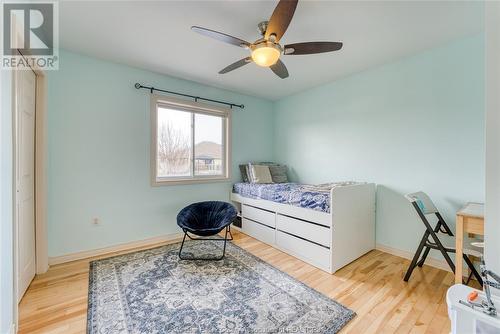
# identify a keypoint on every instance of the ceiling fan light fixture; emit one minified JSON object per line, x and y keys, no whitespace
{"x":266,"y":54}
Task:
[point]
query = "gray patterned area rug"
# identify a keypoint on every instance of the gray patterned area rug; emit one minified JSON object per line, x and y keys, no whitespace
{"x":152,"y":291}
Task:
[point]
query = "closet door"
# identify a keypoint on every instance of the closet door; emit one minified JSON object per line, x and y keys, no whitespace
{"x":25,"y":94}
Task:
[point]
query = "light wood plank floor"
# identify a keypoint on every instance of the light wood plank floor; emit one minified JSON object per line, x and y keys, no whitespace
{"x":56,"y":302}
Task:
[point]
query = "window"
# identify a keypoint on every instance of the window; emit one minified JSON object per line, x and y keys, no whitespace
{"x":190,"y":141}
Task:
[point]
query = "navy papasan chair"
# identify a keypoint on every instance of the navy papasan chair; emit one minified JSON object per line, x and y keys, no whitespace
{"x":206,"y":219}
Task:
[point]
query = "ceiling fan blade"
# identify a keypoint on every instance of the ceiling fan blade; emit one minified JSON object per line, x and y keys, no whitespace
{"x":311,"y":47}
{"x":236,"y":65}
{"x":279,"y":21}
{"x":280,"y":69}
{"x":221,"y":36}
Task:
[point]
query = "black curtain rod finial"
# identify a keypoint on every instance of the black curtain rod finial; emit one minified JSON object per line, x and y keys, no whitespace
{"x":196,"y":98}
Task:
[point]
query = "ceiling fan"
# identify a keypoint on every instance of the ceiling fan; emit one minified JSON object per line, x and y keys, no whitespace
{"x":266,"y":51}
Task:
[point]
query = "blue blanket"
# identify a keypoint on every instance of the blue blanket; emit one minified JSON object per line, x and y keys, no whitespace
{"x":286,"y":193}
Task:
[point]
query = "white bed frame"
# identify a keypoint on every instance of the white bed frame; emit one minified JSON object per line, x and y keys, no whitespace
{"x":328,"y":241}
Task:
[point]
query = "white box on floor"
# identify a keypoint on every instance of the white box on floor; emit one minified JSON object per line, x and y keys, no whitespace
{"x":465,"y":320}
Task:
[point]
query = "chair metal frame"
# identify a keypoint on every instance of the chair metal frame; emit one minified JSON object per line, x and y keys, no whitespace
{"x":442,"y":227}
{"x":228,"y":231}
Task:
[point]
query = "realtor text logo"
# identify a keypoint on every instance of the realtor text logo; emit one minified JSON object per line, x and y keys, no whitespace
{"x":30,"y":35}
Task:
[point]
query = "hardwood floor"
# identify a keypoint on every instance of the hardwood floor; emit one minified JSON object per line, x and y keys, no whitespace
{"x":56,"y":302}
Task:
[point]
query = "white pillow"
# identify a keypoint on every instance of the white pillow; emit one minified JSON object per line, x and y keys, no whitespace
{"x":260,"y":174}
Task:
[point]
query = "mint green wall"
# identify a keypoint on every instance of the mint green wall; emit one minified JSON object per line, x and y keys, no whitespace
{"x":416,"y":124}
{"x":99,"y":135}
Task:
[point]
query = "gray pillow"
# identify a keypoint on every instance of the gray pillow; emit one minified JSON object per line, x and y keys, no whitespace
{"x":278,"y":173}
{"x":260,"y":174}
{"x":244,"y":173}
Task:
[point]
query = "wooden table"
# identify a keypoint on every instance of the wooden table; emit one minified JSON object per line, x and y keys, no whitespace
{"x":470,"y":219}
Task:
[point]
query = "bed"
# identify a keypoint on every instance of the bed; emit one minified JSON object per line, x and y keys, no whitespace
{"x":286,"y":193}
{"x":328,"y":225}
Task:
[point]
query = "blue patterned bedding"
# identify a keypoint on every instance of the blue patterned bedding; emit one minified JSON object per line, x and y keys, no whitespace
{"x":286,"y":193}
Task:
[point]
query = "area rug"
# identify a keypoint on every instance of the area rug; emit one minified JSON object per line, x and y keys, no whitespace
{"x":152,"y":291}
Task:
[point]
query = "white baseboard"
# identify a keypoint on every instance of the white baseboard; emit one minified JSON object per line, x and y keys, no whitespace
{"x":440,"y":264}
{"x":113,"y":249}
{"x":13,"y":329}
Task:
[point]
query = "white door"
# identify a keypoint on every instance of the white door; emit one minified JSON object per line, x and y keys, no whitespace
{"x":25,"y":94}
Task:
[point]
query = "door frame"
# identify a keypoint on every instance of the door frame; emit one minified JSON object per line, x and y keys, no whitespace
{"x":41,"y":241}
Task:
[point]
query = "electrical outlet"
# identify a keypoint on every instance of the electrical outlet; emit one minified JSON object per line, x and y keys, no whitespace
{"x":96,"y":221}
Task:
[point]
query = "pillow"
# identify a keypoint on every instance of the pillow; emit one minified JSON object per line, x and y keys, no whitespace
{"x":244,"y":173}
{"x":278,"y":173}
{"x":259,"y":174}
{"x":266,"y":163}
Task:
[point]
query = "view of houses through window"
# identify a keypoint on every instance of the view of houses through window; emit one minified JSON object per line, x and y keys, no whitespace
{"x":189,"y":144}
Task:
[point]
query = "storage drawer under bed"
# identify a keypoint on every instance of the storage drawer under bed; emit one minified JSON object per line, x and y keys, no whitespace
{"x":306,"y":230}
{"x":259,"y":215}
{"x":258,"y":231}
{"x":313,"y":253}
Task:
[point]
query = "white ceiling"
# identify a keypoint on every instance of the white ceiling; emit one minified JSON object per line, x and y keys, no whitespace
{"x":156,"y":35}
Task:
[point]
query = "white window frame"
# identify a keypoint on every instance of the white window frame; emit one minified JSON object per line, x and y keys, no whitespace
{"x":195,"y":108}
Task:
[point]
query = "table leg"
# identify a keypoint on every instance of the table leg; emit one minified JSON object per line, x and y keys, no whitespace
{"x":459,"y":250}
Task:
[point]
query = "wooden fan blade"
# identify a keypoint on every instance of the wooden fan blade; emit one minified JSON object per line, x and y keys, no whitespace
{"x":311,"y":47}
{"x":279,"y":21}
{"x":221,"y":36}
{"x":280,"y":69}
{"x":236,"y":65}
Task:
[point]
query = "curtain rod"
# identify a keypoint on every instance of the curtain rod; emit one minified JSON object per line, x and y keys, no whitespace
{"x":196,"y":98}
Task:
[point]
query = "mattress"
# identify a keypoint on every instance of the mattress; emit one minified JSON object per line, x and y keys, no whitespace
{"x":295,"y":194}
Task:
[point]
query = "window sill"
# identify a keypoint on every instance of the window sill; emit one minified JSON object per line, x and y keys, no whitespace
{"x":160,"y":183}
